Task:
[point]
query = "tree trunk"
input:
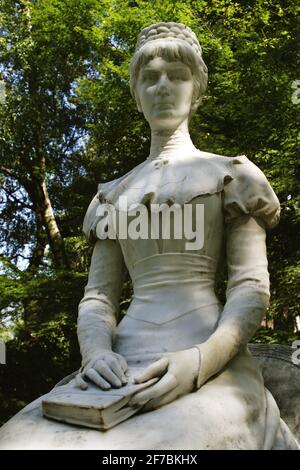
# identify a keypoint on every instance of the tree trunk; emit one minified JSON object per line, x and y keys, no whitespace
{"x":54,"y":236}
{"x":44,"y":211}
{"x":38,"y":193}
{"x":40,"y":245}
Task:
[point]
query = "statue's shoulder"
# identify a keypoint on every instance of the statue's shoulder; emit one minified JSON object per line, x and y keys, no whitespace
{"x":239,"y":168}
{"x":105,"y":195}
{"x":247,"y":191}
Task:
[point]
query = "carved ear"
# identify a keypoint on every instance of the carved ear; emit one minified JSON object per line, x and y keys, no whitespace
{"x":195,"y":104}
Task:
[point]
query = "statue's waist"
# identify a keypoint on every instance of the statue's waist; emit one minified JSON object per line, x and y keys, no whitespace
{"x":144,"y":334}
{"x":170,"y":285}
{"x":160,"y":304}
{"x":176,"y":267}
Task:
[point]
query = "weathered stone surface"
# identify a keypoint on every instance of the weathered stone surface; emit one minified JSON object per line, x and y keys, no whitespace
{"x":282,"y":378}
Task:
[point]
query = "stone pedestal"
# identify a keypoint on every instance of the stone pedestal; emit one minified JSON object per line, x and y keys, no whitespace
{"x":282,"y":378}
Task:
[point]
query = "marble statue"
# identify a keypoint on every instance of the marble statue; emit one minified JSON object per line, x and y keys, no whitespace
{"x":210,"y":393}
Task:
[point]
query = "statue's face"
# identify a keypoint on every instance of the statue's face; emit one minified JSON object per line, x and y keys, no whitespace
{"x":164,"y":93}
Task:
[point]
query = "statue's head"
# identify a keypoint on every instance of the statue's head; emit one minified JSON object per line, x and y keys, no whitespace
{"x":167,"y":73}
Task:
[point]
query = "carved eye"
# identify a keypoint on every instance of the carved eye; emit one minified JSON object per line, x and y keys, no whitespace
{"x":178,"y":75}
{"x":175,"y":77}
{"x":149,"y":77}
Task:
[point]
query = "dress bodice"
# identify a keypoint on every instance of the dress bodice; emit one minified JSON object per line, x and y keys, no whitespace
{"x":227,"y":188}
{"x":173,"y":307}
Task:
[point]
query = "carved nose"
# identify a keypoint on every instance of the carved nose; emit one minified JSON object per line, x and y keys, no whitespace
{"x":163,"y":89}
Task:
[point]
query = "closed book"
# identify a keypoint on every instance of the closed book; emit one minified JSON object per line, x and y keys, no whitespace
{"x":93,"y":408}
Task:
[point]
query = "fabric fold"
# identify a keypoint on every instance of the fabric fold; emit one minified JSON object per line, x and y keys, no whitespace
{"x":168,"y":180}
{"x":180,"y":179}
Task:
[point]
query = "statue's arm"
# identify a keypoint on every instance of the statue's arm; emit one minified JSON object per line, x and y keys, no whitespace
{"x":247,"y":296}
{"x":99,"y":308}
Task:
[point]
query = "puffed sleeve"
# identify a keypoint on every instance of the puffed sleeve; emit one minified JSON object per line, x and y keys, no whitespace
{"x":99,"y":308}
{"x":90,"y":220}
{"x":98,"y":222}
{"x":250,"y":205}
{"x":249,"y":193}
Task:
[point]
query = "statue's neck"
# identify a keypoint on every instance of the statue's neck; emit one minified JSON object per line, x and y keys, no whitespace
{"x":171,"y":143}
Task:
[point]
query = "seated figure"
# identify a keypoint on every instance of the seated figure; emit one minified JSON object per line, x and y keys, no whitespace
{"x":210,"y":393}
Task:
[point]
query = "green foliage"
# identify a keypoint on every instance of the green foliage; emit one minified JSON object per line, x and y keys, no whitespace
{"x":269,"y":336}
{"x":44,"y":346}
{"x":69,"y":120}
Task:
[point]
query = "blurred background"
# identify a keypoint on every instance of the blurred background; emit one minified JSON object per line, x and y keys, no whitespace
{"x":68,"y":122}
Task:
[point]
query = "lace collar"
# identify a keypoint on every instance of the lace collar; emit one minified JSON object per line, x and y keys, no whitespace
{"x":168,"y":180}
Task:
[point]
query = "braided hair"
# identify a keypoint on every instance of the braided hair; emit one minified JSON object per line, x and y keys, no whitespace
{"x":172,"y":42}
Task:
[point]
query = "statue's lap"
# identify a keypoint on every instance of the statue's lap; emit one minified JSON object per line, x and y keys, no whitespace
{"x":213,"y":417}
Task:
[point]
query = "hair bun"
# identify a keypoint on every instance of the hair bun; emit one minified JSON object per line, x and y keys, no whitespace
{"x":169,"y":30}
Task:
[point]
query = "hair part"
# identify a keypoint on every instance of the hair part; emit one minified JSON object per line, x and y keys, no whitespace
{"x":171,"y":51}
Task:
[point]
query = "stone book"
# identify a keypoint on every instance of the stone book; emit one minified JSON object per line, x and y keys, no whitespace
{"x":93,"y":408}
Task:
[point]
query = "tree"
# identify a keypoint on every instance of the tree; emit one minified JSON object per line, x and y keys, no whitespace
{"x":43,"y":51}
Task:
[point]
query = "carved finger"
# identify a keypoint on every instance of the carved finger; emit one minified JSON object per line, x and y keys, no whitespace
{"x":93,"y":375}
{"x":165,"y":385}
{"x":105,"y":371}
{"x":123,"y":362}
{"x":80,"y":383}
{"x":117,"y":369}
{"x":160,"y":401}
{"x":156,"y":369}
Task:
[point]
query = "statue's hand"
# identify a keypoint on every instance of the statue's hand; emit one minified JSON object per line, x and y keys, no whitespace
{"x":178,"y":371}
{"x":107,"y":370}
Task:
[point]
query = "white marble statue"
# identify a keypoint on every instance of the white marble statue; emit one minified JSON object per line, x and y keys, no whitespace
{"x":210,"y":393}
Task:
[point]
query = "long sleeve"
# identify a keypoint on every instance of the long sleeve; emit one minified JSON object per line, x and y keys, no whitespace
{"x":247,"y":297}
{"x":99,"y":308}
{"x":250,"y":206}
